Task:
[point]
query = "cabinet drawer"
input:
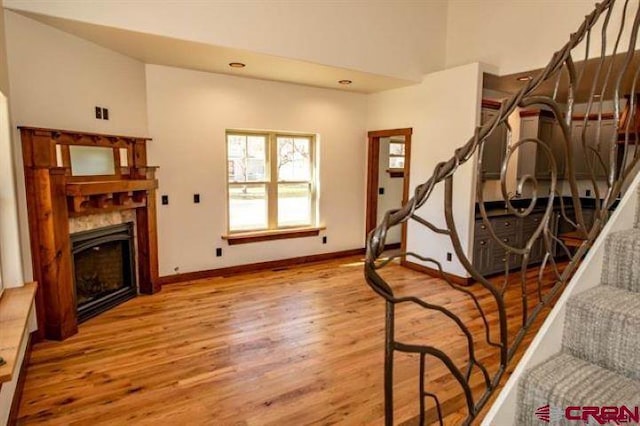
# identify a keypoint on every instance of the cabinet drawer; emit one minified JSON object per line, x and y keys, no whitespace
{"x":481,"y":229}
{"x":504,"y":225}
{"x":530,"y":223}
{"x":499,"y":260}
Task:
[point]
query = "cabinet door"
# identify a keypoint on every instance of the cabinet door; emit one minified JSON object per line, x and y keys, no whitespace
{"x":527,"y":151}
{"x":607,"y":132}
{"x":507,"y":229}
{"x":529,"y":225}
{"x":543,"y":163}
{"x":494,"y":147}
{"x":482,"y":255}
{"x":499,"y":259}
{"x":589,"y":217}
{"x":578,"y":152}
{"x":558,"y":149}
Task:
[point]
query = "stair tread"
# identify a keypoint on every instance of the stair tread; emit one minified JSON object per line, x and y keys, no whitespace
{"x":565,"y":380}
{"x":602,"y":326}
{"x":610,"y":298}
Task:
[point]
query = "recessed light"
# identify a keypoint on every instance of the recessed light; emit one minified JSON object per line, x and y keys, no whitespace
{"x":237,"y":65}
{"x":525,"y":78}
{"x":345,"y":82}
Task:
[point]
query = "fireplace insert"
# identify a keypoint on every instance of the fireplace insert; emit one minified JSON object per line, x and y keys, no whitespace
{"x":103,"y":269}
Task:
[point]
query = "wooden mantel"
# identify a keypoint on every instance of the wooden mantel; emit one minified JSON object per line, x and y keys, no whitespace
{"x":54,"y":195}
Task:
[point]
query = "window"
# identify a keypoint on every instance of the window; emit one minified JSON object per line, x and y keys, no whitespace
{"x":271,"y":181}
{"x":396,"y":154}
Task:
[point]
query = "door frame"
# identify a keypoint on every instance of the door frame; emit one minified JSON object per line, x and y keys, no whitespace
{"x":373,"y":166}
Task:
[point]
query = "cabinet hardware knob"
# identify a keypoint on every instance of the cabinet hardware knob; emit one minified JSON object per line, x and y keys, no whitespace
{"x":483,"y":227}
{"x":504,"y":260}
{"x":507,"y":224}
{"x":483,"y":243}
{"x":506,"y":240}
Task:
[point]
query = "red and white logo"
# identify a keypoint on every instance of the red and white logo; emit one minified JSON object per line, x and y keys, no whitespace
{"x":588,"y":414}
{"x":547,"y":413}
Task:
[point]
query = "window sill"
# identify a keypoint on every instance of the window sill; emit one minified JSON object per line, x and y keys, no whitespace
{"x":15,"y":307}
{"x":279,"y":234}
{"x":396,"y":173}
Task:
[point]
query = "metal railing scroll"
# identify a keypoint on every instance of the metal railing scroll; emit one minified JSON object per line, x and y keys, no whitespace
{"x":607,"y":69}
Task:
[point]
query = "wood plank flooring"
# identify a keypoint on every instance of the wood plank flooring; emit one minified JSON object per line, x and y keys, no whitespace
{"x":288,"y":347}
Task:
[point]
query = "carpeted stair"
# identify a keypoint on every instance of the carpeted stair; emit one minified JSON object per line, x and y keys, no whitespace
{"x":599,"y":364}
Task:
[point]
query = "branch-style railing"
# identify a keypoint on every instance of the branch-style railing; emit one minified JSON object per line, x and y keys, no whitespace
{"x":610,"y":74}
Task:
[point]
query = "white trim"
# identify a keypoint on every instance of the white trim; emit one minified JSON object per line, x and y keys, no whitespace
{"x":10,"y":255}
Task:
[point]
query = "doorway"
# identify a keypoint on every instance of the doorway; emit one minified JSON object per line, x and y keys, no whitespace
{"x":389,"y":160}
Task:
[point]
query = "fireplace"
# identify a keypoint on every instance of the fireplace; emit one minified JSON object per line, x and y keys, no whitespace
{"x":103,"y":269}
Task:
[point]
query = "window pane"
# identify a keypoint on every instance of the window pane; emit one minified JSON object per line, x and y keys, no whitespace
{"x":247,"y":207}
{"x":396,"y":148}
{"x":396,"y":162}
{"x":294,"y":158}
{"x":294,"y":204}
{"x":246,"y":158}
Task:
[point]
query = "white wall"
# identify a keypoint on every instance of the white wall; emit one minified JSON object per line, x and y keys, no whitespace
{"x":393,"y":186}
{"x":56,"y":80}
{"x":401,"y":38}
{"x":10,"y":253}
{"x":443,"y":111}
{"x":189,"y":112}
{"x":4,"y":71}
{"x":513,"y":35}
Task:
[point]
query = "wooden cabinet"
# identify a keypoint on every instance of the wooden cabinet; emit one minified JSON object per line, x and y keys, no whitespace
{"x":528,"y":227}
{"x":490,"y":257}
{"x":495,"y":146}
{"x":591,"y":136}
{"x":534,"y":159}
{"x":540,"y":124}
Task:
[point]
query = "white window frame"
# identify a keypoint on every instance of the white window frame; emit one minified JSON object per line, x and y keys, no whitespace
{"x":404,"y":156}
{"x":272,"y":182}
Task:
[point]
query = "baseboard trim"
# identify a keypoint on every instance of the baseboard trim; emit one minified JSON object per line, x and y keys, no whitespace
{"x":436,"y":273}
{"x":17,"y":395}
{"x":393,"y":246}
{"x":254,"y":267}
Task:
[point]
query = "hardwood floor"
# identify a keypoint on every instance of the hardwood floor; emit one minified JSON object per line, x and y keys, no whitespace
{"x":287,"y":347}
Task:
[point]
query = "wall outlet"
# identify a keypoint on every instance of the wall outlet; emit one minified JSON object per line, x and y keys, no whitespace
{"x":165,"y":200}
{"x":105,"y":113}
{"x":98,"y":113}
{"x":218,"y":252}
{"x":196,"y":198}
{"x":448,"y":257}
{"x":588,"y":193}
{"x":380,"y":191}
{"x":324,"y":240}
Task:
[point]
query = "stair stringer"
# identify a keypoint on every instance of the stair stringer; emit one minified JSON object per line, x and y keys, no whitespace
{"x":548,"y":340}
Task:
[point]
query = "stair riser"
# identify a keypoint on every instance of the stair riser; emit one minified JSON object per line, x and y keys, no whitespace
{"x":565,"y":381}
{"x":621,"y":266}
{"x":604,"y":337}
